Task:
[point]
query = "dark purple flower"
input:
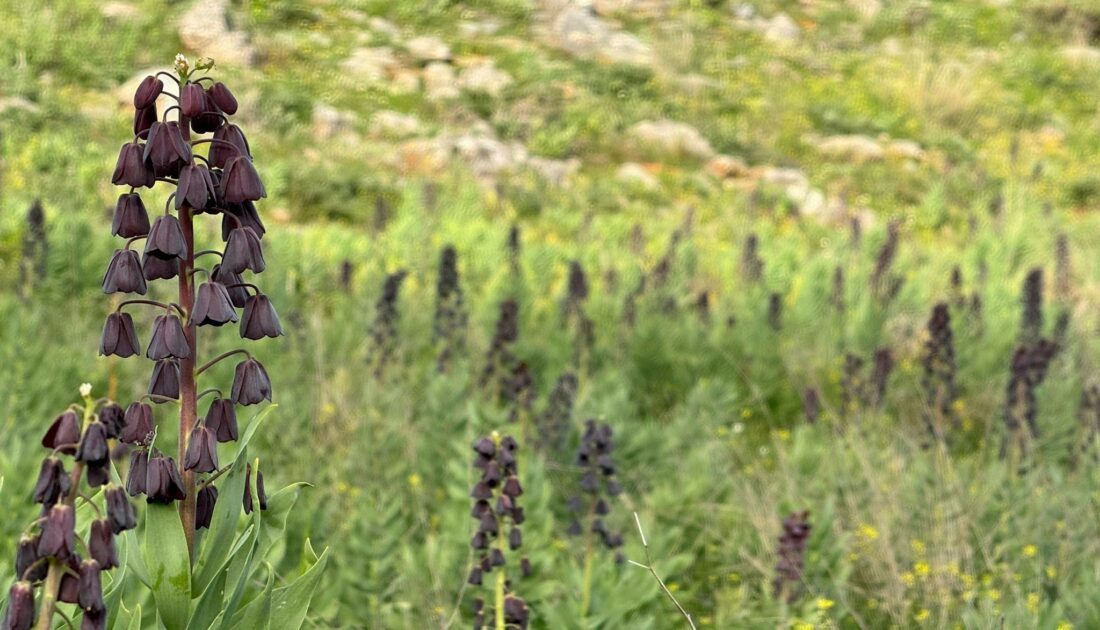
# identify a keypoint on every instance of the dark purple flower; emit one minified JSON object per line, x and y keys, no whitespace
{"x":195,"y":188}
{"x":63,"y":434}
{"x":147,"y":92}
{"x":124,"y":274}
{"x":144,"y":119}
{"x":101,"y":544}
{"x":250,"y":383}
{"x":156,"y":268}
{"x":20,"y":611}
{"x":166,"y":239}
{"x":120,"y":512}
{"x":130,"y":218}
{"x":229,"y":143}
{"x":94,"y":620}
{"x":114,"y":418}
{"x":119,"y":338}
{"x":243,"y":251}
{"x":137,"y":424}
{"x":223,"y":98}
{"x":58,"y":539}
{"x":163,"y":483}
{"x":169,"y":339}
{"x":139,"y":473}
{"x":204,"y":508}
{"x":213,"y":306}
{"x":238,"y":294}
{"x":90,"y":588}
{"x":241,"y":182}
{"x":132,"y":169}
{"x":241,"y":215}
{"x":166,"y":149}
{"x":260,"y":319}
{"x":99,"y":473}
{"x":202,"y":451}
{"x":93,"y":446}
{"x":192,"y":100}
{"x":210,"y":119}
{"x":53,"y":482}
{"x":26,"y":557}
{"x":165,"y":382}
{"x":221,"y":418}
{"x":260,"y":494}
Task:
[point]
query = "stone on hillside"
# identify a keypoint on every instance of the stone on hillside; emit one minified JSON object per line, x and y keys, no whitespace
{"x":427,"y":48}
{"x":328,"y":121}
{"x":556,"y":172}
{"x":439,"y":81}
{"x":391,"y":124}
{"x":484,"y":77}
{"x":486,"y":156}
{"x":633,"y":8}
{"x":472,"y":29}
{"x":385,"y":27}
{"x":372,"y":64}
{"x":780,"y":29}
{"x":727,"y":167}
{"x":119,"y":11}
{"x":671,"y":139}
{"x":205,"y":30}
{"x":1080,"y":54}
{"x":857,"y":148}
{"x":796,"y":186}
{"x":582,"y":33}
{"x":636,"y":174}
{"x":906,"y":149}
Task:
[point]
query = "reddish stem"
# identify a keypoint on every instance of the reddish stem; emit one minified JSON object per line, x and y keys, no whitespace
{"x":188,"y":397}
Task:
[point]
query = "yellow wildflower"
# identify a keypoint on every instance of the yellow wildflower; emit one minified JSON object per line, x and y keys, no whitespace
{"x":922,"y":615}
{"x":868,"y":531}
{"x":1033,"y":603}
{"x":922,"y":569}
{"x":824,"y":604}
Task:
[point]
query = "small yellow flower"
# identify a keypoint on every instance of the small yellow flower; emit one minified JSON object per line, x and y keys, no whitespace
{"x":415,"y":481}
{"x":673,"y":587}
{"x":1052,"y":573}
{"x":868,"y":531}
{"x":1065,"y":625}
{"x":1030,"y":551}
{"x":721,"y":431}
{"x":824,"y":603}
{"x":922,"y":615}
{"x":908,"y":578}
{"x":746,"y":413}
{"x":922,"y":569}
{"x":783,"y":435}
{"x":734,"y":577}
{"x":918,"y":546}
{"x":1033,"y":603}
{"x":994,"y":594}
{"x":802,"y":625}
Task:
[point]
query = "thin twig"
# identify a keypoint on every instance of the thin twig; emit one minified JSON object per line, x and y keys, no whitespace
{"x":649,"y":566}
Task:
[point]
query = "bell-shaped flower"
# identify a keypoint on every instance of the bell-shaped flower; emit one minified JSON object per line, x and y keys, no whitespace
{"x":166,"y":239}
{"x":166,"y":150}
{"x":202,"y":451}
{"x":119,"y":338}
{"x":124,"y":274}
{"x":212,"y":306}
{"x":229,"y":142}
{"x":169,"y":339}
{"x":165,"y":382}
{"x":147,"y":92}
{"x":243,"y":251}
{"x":19,"y":614}
{"x":138,"y":474}
{"x":250,"y":383}
{"x":260,"y":319}
{"x":163,"y":483}
{"x":132,"y":169}
{"x":223,"y":98}
{"x":113,"y":418}
{"x":144,"y":119}
{"x":221,"y":419}
{"x":241,"y":182}
{"x":138,"y":424}
{"x":192,"y":100}
{"x":58,"y":539}
{"x":241,"y":215}
{"x":156,"y":268}
{"x":204,"y":506}
{"x":233,"y":283}
{"x":130,"y":218}
{"x":93,"y":446}
{"x":53,"y":482}
{"x":63,"y":434}
{"x":101,"y":544}
{"x":27,"y":565}
{"x":195,"y":187}
{"x":120,"y":512}
{"x":90,"y":587}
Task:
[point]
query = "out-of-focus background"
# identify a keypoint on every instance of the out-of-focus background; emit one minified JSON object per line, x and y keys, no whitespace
{"x":760,"y":195}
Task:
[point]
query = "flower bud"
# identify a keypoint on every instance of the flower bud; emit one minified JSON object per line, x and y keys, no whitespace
{"x":192,"y":100}
{"x":124,"y":274}
{"x":261,"y":495}
{"x":223,"y":98}
{"x":515,"y":539}
{"x":113,"y":418}
{"x":475,"y":577}
{"x":169,"y":339}
{"x":241,"y":182}
{"x":96,"y":620}
{"x":163,"y":483}
{"x":156,"y":268}
{"x":195,"y":187}
{"x":204,"y":508}
{"x":93,"y":446}
{"x":101,"y":544}
{"x":130,"y":218}
{"x":120,"y":513}
{"x":138,"y":475}
{"x":132,"y":169}
{"x":210,"y":119}
{"x":202,"y":451}
{"x":166,"y":239}
{"x":165,"y":382}
{"x":144,"y":119}
{"x":260,"y":319}
{"x":250,"y":383}
{"x":90,"y":588}
{"x":138,"y":424}
{"x":212,"y":305}
{"x":147,"y":92}
{"x":221,"y":419}
{"x":20,"y":611}
{"x":58,"y":539}
{"x":166,"y":150}
{"x":230,"y":143}
{"x":64,"y":434}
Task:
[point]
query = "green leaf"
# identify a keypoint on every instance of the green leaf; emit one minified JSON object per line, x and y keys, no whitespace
{"x":126,"y":618}
{"x":274,"y":518}
{"x":257,"y":614}
{"x":291,"y":602}
{"x":165,"y":550}
{"x":210,"y":605}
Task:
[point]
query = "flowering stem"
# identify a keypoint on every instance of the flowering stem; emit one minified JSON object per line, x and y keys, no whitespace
{"x":188,"y":399}
{"x":586,"y":593}
{"x":153,"y":303}
{"x":499,"y":610}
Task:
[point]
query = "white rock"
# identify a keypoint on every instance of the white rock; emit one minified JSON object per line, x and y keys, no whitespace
{"x":394,"y":125}
{"x":372,"y":64}
{"x":636,"y":174}
{"x":907,"y":149}
{"x":478,"y":28}
{"x":439,"y":81}
{"x":427,"y":48}
{"x":556,"y":172}
{"x":205,"y":30}
{"x":1080,"y":54}
{"x":583,"y":34}
{"x":484,"y":77}
{"x":670,"y":138}
{"x":857,"y":148}
{"x":781,"y":29}
{"x":727,"y":166}
{"x":635,"y":8}
{"x":384,"y":27}
{"x":119,"y":11}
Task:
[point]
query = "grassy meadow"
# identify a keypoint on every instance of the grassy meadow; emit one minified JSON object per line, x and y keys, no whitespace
{"x":882,"y":159}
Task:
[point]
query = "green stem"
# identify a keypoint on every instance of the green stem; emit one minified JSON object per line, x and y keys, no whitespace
{"x":500,"y":600}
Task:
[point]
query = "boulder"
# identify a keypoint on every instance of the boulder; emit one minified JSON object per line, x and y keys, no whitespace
{"x":426,"y":49}
{"x":670,"y":139}
{"x":372,"y":64}
{"x":484,"y":77}
{"x":205,"y":29}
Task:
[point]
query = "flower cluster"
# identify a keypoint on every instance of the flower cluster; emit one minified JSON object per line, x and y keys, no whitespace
{"x":938,"y":362}
{"x":884,"y":283}
{"x":383,"y":330}
{"x":811,"y":404}
{"x":573,"y":310}
{"x":869,"y":391}
{"x":598,"y":483}
{"x":790,"y":565}
{"x":775,"y":311}
{"x":499,"y":517}
{"x":35,"y":251}
{"x":499,"y":360}
{"x":519,"y":391}
{"x":1027,"y":371}
{"x":555,"y":420}
{"x":752,"y":267}
{"x":1031,"y":303}
{"x":449,"y":323}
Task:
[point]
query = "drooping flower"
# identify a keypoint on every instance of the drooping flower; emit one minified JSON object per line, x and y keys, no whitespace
{"x":119,"y":337}
{"x":156,"y":268}
{"x":93,"y":446}
{"x":19,"y":614}
{"x":137,"y":424}
{"x":90,"y":587}
{"x":120,"y":513}
{"x":243,"y":251}
{"x":242,"y":215}
{"x":147,"y":92}
{"x":132,"y":169}
{"x":124,"y":274}
{"x":213,"y":306}
{"x":166,"y":239}
{"x":241,"y":182}
{"x":229,"y":142}
{"x":53,"y":482}
{"x":63,"y":434}
{"x":113,"y":418}
{"x":223,"y":98}
{"x":192,"y":100}
{"x":250,"y":383}
{"x":166,"y":150}
{"x":138,"y":475}
{"x":221,"y":418}
{"x":202,"y":451}
{"x":195,"y":187}
{"x":58,"y":539}
{"x":101,"y":544}
{"x":204,"y":508}
{"x":165,"y":382}
{"x":169,"y":339}
{"x":233,"y":283}
{"x":163,"y":483}
{"x":260,"y":319}
{"x":130,"y":218}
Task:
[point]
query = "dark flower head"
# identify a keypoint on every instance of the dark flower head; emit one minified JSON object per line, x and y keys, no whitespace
{"x":63,"y":434}
{"x":132,"y":169}
{"x":204,"y":508}
{"x":147,"y":92}
{"x":130,"y":218}
{"x":192,"y":100}
{"x":223,"y":98}
{"x":474,"y":577}
{"x":137,"y":424}
{"x":99,"y":473}
{"x":241,"y":182}
{"x":90,"y":588}
{"x":515,"y":612}
{"x":212,"y":305}
{"x":113,"y":418}
{"x":26,"y":556}
{"x":169,"y":339}
{"x":202,"y":451}
{"x":243,"y":251}
{"x":166,"y":149}
{"x":101,"y":544}
{"x":220,"y":153}
{"x":210,"y":119}
{"x":260,"y":494}
{"x":53,"y":483}
{"x":166,"y":239}
{"x":94,"y":620}
{"x":69,"y":589}
{"x":124,"y":274}
{"x":250,"y":383}
{"x":20,"y":611}
{"x":163,"y":483}
{"x":221,"y":419}
{"x":165,"y":382}
{"x":155,"y":268}
{"x":120,"y":513}
{"x":119,"y":338}
{"x":58,"y":539}
{"x":515,"y":539}
{"x":93,"y":446}
{"x":238,"y":295}
{"x":144,"y":118}
{"x":195,"y":187}
{"x":260,"y":319}
{"x":138,"y":474}
{"x":241,"y":215}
